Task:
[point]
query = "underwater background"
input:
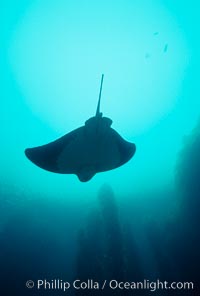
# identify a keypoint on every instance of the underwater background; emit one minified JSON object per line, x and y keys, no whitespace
{"x":140,"y":221}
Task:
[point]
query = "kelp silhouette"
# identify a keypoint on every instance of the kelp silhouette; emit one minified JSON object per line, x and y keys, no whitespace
{"x":87,"y":150}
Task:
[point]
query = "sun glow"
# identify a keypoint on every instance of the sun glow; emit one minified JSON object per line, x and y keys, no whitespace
{"x":59,"y":51}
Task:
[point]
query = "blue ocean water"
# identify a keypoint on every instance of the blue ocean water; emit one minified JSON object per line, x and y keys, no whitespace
{"x":139,"y":221}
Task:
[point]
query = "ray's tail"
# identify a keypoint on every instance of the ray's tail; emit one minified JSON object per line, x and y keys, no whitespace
{"x":98,"y":113}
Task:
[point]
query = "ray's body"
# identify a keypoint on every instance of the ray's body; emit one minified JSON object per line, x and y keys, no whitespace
{"x":87,"y":150}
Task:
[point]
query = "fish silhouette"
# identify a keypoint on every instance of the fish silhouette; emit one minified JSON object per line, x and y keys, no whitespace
{"x":85,"y":151}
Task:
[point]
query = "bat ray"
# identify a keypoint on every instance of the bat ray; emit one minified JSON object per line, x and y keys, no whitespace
{"x":85,"y":151}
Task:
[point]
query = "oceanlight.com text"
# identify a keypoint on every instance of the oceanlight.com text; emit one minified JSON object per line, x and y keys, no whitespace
{"x":90,"y":284}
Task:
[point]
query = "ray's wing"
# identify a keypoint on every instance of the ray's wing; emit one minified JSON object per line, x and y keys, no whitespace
{"x":126,"y":149}
{"x":46,"y":156}
{"x":112,"y":151}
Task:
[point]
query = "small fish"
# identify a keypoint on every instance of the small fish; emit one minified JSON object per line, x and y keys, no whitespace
{"x":147,"y":55}
{"x":165,"y":48}
{"x":155,"y":34}
{"x":92,"y":148}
